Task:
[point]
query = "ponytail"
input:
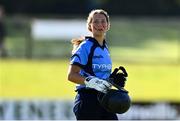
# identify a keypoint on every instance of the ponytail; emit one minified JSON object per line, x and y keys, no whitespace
{"x":76,"y":42}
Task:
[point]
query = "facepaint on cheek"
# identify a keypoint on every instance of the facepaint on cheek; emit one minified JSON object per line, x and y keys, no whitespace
{"x":94,"y":27}
{"x":104,"y":27}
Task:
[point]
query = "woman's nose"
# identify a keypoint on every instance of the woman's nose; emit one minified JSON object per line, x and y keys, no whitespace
{"x":99,"y":24}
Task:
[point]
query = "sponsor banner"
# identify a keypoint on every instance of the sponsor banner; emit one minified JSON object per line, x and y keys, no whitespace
{"x":153,"y":111}
{"x":35,"y":110}
{"x":62,"y":110}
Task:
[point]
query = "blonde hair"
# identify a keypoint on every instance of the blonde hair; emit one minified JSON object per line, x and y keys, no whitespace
{"x":77,"y":41}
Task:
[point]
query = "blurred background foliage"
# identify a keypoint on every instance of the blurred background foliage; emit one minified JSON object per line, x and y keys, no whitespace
{"x":130,"y":39}
{"x":71,"y":7}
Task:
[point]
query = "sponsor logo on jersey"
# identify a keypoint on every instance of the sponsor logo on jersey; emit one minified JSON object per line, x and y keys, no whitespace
{"x":102,"y":67}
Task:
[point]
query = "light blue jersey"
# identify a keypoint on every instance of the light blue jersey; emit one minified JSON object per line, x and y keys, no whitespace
{"x":93,"y":59}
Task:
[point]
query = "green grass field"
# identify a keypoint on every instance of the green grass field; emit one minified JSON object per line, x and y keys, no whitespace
{"x":27,"y":79}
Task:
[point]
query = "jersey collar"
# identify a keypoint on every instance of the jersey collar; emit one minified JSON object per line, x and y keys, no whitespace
{"x":96,"y":42}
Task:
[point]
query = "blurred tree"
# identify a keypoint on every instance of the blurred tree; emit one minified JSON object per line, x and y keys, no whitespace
{"x":94,"y":4}
{"x":3,"y":51}
{"x":116,"y":7}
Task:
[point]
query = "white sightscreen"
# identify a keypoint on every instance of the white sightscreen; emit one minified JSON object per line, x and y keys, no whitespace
{"x":58,"y":29}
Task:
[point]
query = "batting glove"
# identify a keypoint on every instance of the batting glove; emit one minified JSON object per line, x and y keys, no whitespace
{"x":97,"y":84}
{"x":119,"y":78}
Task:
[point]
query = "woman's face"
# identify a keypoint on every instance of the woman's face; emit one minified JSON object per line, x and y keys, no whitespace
{"x":99,"y":24}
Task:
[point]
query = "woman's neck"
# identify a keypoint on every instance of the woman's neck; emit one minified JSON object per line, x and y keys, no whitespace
{"x":100,"y":39}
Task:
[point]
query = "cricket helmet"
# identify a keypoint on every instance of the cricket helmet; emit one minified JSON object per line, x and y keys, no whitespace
{"x":115,"y":101}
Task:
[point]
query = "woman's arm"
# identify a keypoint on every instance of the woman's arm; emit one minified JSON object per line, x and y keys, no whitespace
{"x":74,"y":76}
{"x":91,"y":81}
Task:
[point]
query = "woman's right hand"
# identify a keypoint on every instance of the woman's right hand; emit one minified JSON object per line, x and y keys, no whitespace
{"x":97,"y":84}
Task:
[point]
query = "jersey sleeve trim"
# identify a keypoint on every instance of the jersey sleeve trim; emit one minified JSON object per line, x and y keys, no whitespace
{"x":76,"y":55}
{"x":78,"y":64}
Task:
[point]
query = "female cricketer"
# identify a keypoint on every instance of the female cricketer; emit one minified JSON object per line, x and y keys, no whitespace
{"x":90,"y":67}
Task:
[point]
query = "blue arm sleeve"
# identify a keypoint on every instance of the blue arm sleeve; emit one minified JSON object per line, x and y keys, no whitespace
{"x":80,"y":57}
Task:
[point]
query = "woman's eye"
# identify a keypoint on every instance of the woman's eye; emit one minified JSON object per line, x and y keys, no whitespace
{"x":97,"y":22}
{"x":103,"y":21}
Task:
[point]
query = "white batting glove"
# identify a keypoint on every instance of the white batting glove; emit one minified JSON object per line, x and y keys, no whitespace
{"x":97,"y":84}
